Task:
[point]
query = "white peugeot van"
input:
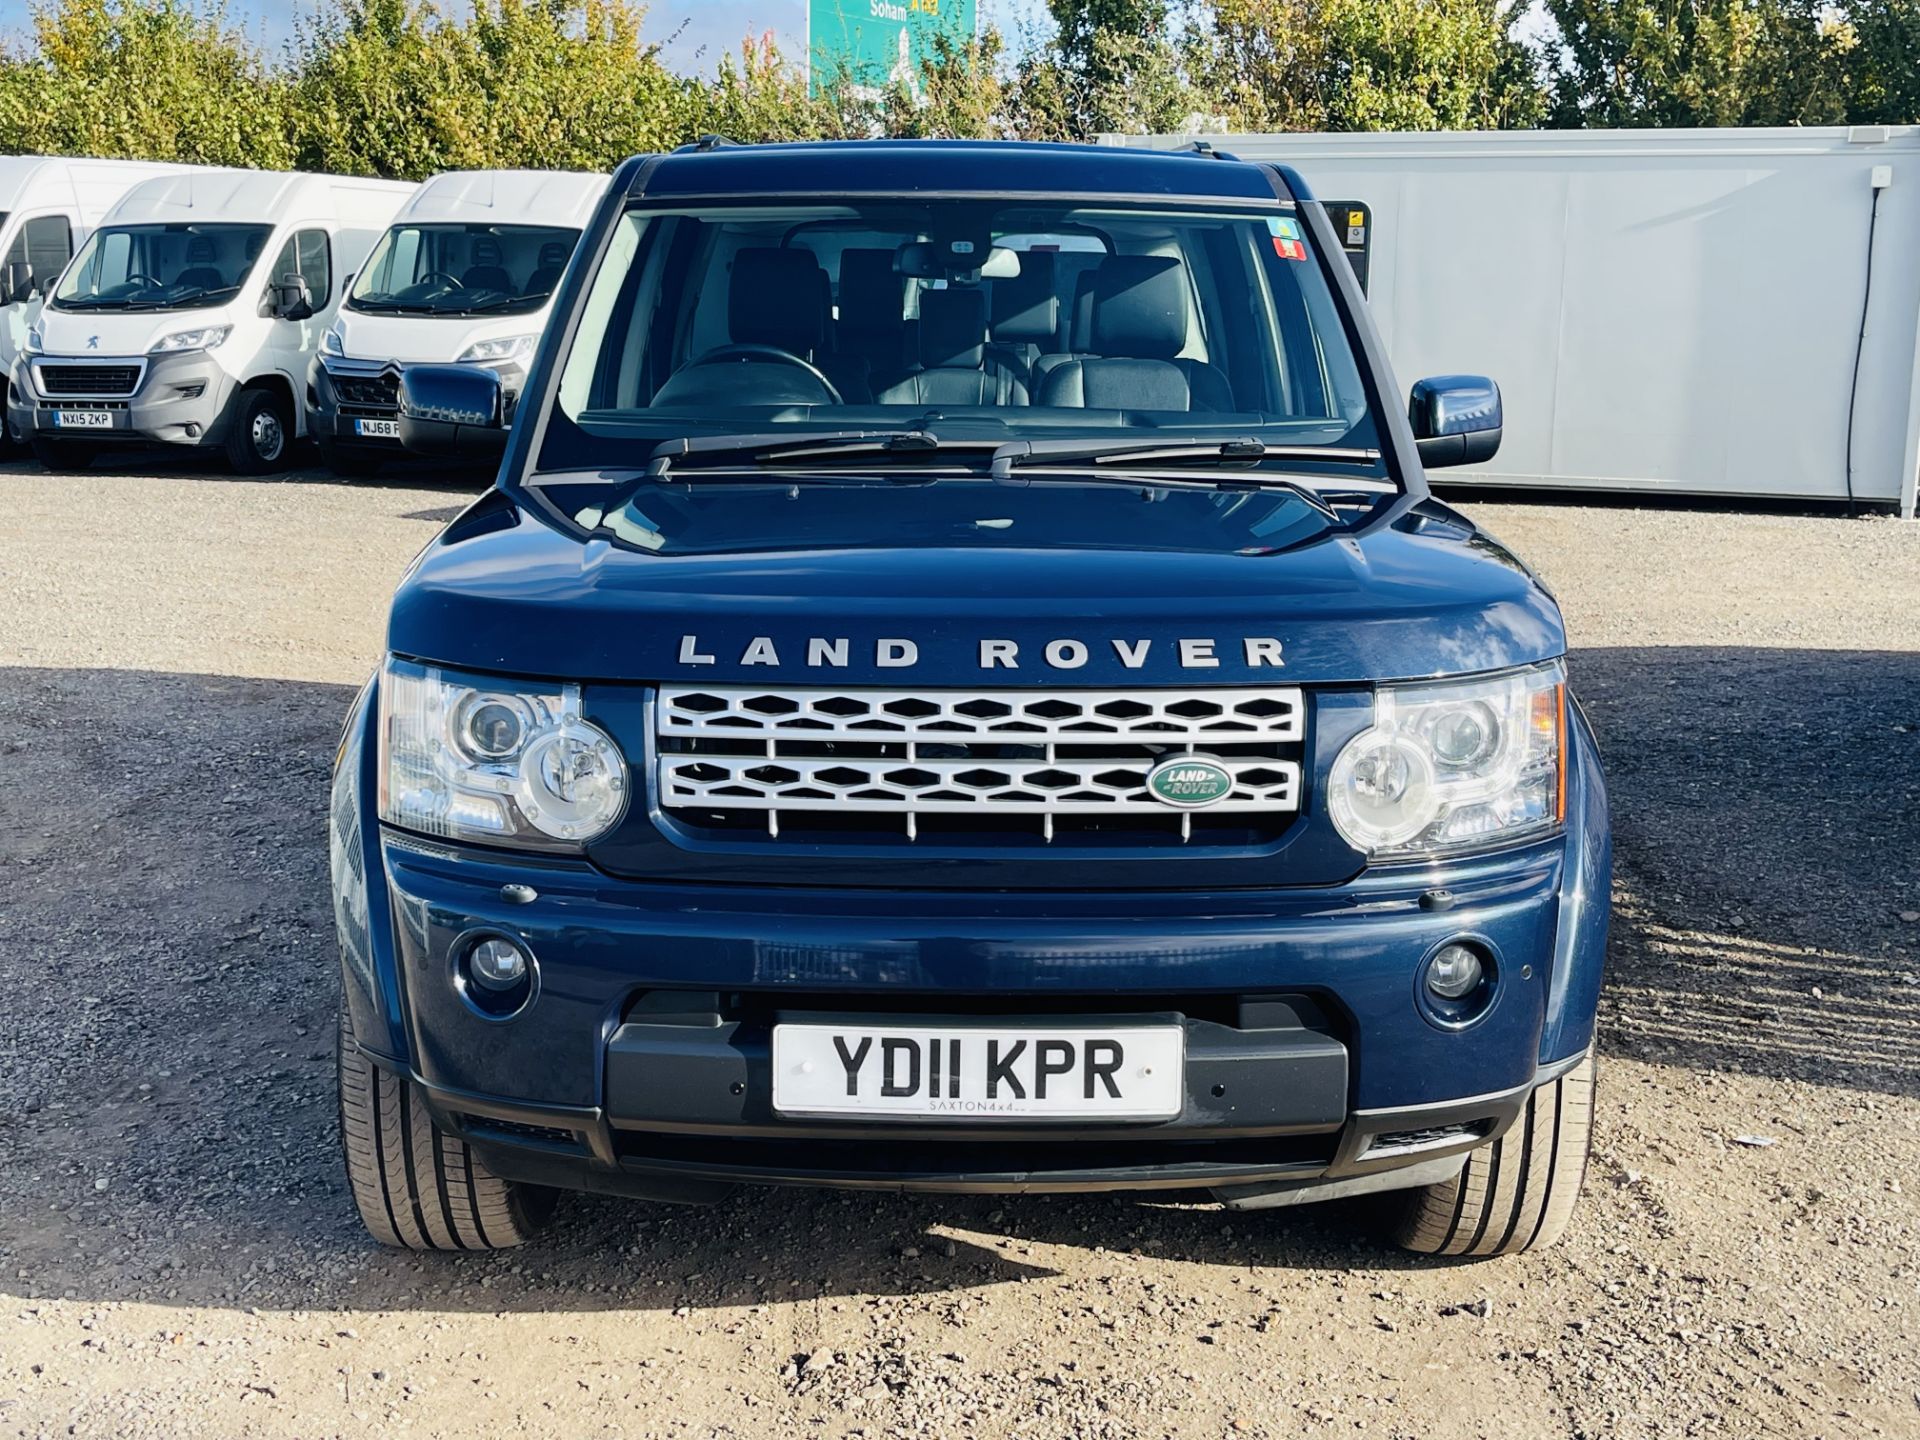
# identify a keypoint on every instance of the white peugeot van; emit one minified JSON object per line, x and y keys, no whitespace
{"x":48,"y":205}
{"x":190,"y":315}
{"x":467,"y":275}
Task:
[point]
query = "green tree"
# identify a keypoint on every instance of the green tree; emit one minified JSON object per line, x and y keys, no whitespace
{"x":1700,"y":62}
{"x":1120,"y":68}
{"x":1366,"y":64}
{"x":761,"y":95}
{"x":395,"y":87}
{"x":962,"y":95}
{"x":143,"y":79}
{"x":1880,"y":43}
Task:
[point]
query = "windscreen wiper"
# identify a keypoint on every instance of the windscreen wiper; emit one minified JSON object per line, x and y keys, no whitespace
{"x":822,"y":444}
{"x":1127,"y":453}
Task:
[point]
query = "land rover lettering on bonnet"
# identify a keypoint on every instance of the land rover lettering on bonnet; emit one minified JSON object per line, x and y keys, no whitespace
{"x":961,"y":684}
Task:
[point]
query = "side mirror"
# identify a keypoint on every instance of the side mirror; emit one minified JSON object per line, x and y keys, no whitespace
{"x":1456,"y":419}
{"x":18,"y":283}
{"x":452,"y":410}
{"x":292,"y":300}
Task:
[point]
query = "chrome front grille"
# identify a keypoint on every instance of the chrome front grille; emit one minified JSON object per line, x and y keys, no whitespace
{"x":729,"y":756}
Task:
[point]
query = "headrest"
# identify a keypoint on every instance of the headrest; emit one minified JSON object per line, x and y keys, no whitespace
{"x":779,"y":298}
{"x":872,"y":294}
{"x":1139,"y":307}
{"x":555,"y":253}
{"x":199,"y":250}
{"x":486,"y":250}
{"x":1027,"y":307}
{"x":255,"y":244}
{"x":953,"y":329}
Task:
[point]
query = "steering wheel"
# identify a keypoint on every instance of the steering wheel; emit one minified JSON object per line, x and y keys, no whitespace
{"x":452,"y":284}
{"x":141,"y":275}
{"x":776,"y":355}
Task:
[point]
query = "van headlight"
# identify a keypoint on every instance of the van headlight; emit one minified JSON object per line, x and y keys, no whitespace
{"x":333,"y":342}
{"x":497,"y":352}
{"x":500,"y":762}
{"x":1455,"y":766}
{"x":207,"y":337}
{"x":35,"y":343}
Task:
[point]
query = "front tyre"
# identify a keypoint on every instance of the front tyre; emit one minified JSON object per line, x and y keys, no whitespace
{"x":260,"y":440}
{"x":1517,"y":1193}
{"x":417,"y":1187}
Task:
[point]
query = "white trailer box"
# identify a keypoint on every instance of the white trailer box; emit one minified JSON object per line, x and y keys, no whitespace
{"x":48,"y":207}
{"x":190,"y":315}
{"x":1671,"y":310}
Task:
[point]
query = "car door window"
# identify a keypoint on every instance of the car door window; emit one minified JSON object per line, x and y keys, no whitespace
{"x":308,"y":255}
{"x":44,"y":242}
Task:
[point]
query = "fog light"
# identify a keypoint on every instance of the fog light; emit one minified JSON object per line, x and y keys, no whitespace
{"x":500,"y":965}
{"x":1454,"y":973}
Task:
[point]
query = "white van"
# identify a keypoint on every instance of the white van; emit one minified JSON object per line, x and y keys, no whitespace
{"x":465,"y":275}
{"x":189,"y":317}
{"x":48,"y":206}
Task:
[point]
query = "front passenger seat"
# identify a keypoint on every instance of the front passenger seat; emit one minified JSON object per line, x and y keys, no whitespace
{"x":1140,"y":322}
{"x":955,"y":367}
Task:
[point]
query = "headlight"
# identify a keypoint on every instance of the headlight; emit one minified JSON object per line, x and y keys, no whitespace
{"x":333,"y":343}
{"x":208,"y":337}
{"x":495,"y":761}
{"x":1454,"y":766}
{"x":493,"y":352}
{"x":35,"y":343}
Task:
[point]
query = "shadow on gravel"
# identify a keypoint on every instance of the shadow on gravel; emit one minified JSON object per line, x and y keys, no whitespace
{"x":166,"y":1079}
{"x":401,"y":474}
{"x":1766,"y":814}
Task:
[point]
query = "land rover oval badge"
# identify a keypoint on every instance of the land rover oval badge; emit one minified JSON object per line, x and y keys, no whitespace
{"x":1189,"y":782}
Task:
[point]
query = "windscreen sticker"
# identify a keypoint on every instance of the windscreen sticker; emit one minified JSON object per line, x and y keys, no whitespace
{"x":1287,"y":243}
{"x":1282,"y":229}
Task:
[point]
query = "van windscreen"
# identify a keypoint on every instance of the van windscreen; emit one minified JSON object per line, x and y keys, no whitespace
{"x":423,"y":269}
{"x":160,"y":267}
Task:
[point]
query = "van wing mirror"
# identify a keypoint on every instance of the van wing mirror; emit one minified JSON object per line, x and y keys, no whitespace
{"x":18,"y":283}
{"x":1456,"y":419}
{"x":292,"y":300}
{"x":454,"y":411}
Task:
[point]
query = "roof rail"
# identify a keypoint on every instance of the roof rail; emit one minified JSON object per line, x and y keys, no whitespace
{"x":706,"y":143}
{"x":1203,"y":147}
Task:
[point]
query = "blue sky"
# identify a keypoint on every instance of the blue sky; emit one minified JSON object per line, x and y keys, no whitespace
{"x":696,"y":30}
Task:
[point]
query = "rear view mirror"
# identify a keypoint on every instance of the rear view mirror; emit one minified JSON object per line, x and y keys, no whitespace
{"x":452,"y":410}
{"x":292,"y":300}
{"x":1456,"y":419}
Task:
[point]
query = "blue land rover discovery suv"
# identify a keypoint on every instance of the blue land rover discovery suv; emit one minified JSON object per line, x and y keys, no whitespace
{"x":961,"y":684}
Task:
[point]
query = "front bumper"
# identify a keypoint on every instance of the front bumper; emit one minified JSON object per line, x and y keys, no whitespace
{"x":642,"y":1067}
{"x":181,"y":399}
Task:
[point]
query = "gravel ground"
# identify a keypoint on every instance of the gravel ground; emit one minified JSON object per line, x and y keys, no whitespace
{"x":178,"y":1254}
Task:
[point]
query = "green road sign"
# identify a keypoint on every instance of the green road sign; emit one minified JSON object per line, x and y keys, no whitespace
{"x":876,"y":43}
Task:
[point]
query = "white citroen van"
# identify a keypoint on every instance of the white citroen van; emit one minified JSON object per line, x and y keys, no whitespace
{"x":48,"y":205}
{"x":189,"y":317}
{"x":467,"y":275}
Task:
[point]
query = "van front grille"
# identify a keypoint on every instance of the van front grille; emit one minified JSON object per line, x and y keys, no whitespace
{"x":88,"y":379}
{"x":838,"y":764}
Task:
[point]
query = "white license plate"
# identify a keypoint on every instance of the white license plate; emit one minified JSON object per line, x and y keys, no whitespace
{"x":83,"y":419}
{"x":966,"y":1072}
{"x":377,"y":429}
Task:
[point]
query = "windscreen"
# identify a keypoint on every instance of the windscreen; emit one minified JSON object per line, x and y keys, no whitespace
{"x":1094,"y":322}
{"x":161,"y":267}
{"x":463,"y":269}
